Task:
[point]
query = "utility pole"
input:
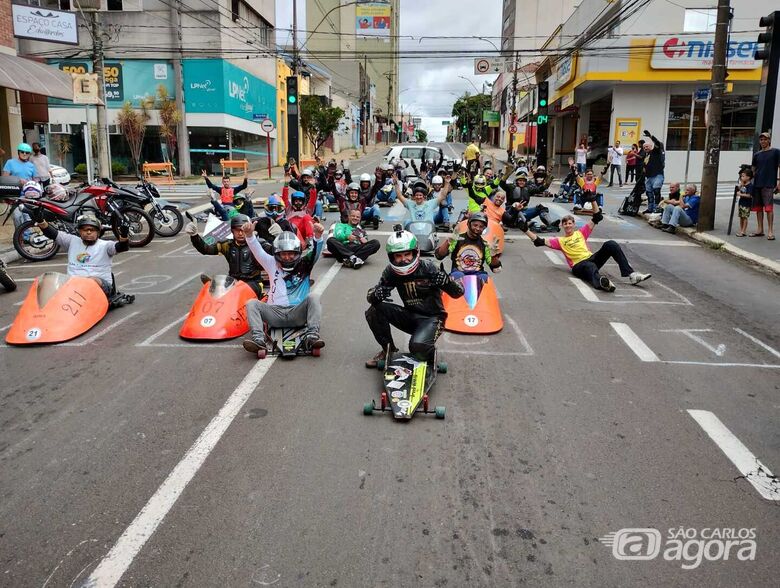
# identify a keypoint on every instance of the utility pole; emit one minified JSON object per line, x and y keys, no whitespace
{"x":104,"y":166}
{"x":709,"y":174}
{"x":389,"y":114}
{"x":364,"y":94}
{"x":295,"y":36}
{"x":513,"y":116}
{"x":182,"y":135}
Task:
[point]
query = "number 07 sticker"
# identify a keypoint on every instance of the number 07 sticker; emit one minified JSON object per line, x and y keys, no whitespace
{"x":208,"y":321}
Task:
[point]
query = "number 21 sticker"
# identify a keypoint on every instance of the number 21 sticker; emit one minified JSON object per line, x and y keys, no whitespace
{"x":33,"y":334}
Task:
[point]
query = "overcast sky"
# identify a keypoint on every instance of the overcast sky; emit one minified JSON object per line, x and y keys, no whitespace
{"x":429,"y":88}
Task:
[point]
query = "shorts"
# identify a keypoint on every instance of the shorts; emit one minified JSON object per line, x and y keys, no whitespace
{"x":744,"y":212}
{"x":762,"y":198}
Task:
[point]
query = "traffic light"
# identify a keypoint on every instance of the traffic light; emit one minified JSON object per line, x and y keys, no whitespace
{"x":770,"y":55}
{"x":542,"y":118}
{"x":292,"y":118}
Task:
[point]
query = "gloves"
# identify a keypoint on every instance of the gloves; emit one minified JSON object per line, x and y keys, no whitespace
{"x":36,"y":213}
{"x":646,"y":133}
{"x":538,"y":242}
{"x":124,"y":228}
{"x":275,"y":230}
{"x":597,"y":217}
{"x":440,"y":279}
{"x":378,"y":294}
{"x":191,"y":229}
{"x":497,"y":270}
{"x":522,"y":223}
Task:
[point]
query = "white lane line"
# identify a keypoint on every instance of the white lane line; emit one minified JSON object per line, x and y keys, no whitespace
{"x":725,"y":364}
{"x":194,"y":345}
{"x":635,"y":344}
{"x":585,"y":290}
{"x":670,"y":243}
{"x":771,"y":350}
{"x":755,"y":472}
{"x":555,"y":258}
{"x":5,"y":328}
{"x":115,"y":563}
{"x":523,"y":341}
{"x":168,"y":291}
{"x":146,"y":342}
{"x":101,"y":333}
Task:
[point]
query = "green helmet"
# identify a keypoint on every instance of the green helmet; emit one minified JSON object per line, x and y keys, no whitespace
{"x":399,"y":242}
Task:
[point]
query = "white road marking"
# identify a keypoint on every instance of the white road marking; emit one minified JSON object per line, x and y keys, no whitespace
{"x":147,"y":342}
{"x":719,"y":350}
{"x":518,"y":333}
{"x":725,"y":364}
{"x":755,"y":472}
{"x":669,"y":243}
{"x":32,"y":265}
{"x":771,"y":350}
{"x":586,"y":291}
{"x":96,"y":336}
{"x":5,"y":328}
{"x":167,"y":291}
{"x":555,"y":258}
{"x":635,"y":344}
{"x":115,"y":563}
{"x":590,"y":295}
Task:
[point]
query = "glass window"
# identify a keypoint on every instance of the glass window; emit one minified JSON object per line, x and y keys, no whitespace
{"x":679,"y":121}
{"x":738,"y":123}
{"x":411,"y":153}
{"x":700,"y":20}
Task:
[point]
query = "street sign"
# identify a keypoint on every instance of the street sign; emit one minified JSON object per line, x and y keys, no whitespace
{"x":257,"y":116}
{"x":267,"y":125}
{"x":513,"y":129}
{"x":702,"y":94}
{"x":445,"y":123}
{"x":486,"y":65}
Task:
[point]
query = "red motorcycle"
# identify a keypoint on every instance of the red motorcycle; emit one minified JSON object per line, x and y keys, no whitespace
{"x":100,"y":200}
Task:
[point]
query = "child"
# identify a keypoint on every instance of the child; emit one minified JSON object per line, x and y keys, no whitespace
{"x":745,"y":189}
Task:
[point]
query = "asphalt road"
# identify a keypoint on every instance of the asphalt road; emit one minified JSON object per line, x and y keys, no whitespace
{"x":135,"y":458}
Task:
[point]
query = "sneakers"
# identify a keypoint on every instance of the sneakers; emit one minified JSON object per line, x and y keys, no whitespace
{"x":372,"y":363}
{"x":606,"y":284}
{"x":669,"y":229}
{"x":205,"y":278}
{"x":347,"y":261}
{"x":356,"y":261}
{"x":313,"y":341}
{"x":636,"y":277}
{"x":253,"y":345}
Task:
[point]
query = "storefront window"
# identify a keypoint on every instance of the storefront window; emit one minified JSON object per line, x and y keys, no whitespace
{"x":679,"y":121}
{"x":738,"y":123}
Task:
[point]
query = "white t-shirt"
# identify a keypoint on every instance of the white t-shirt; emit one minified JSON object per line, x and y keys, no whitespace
{"x":92,"y":261}
{"x":582,"y":156}
{"x":617,"y":155}
{"x":42,"y":166}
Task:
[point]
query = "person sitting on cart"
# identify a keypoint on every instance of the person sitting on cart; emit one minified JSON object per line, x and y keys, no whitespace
{"x":290,"y":302}
{"x":297,"y":213}
{"x":226,"y":193}
{"x":419,"y":208}
{"x":90,"y":256}
{"x":420,"y":284}
{"x":589,"y":184}
{"x":469,"y":251}
{"x":353,"y":201}
{"x":308,"y":187}
{"x":495,"y":207}
{"x":242,"y":265}
{"x":350,"y":244}
{"x":583,"y":263}
{"x":273,"y":222}
{"x":518,"y":201}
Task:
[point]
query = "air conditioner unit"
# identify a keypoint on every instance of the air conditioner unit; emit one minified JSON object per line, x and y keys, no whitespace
{"x":59,"y":129}
{"x":114,"y":130}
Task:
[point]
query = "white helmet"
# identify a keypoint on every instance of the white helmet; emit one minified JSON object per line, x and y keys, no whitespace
{"x":307,"y":172}
{"x":541,"y":168}
{"x":32,"y":189}
{"x":437,"y":181}
{"x":587,"y":206}
{"x":365,"y":178}
{"x":56,"y":192}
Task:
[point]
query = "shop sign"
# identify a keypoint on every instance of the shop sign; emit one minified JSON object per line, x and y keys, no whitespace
{"x":564,"y":71}
{"x":697,"y":52}
{"x":112,"y":74}
{"x":567,"y":100}
{"x":627,"y":130}
{"x":43,"y":24}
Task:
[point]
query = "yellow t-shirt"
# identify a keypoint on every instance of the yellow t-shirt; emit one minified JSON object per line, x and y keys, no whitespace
{"x":575,"y":247}
{"x":472,"y":152}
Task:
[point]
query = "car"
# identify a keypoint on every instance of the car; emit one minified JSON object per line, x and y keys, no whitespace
{"x":417,"y":154}
{"x":60,"y":175}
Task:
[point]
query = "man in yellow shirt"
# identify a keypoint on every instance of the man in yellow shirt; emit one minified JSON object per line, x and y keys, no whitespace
{"x":471,"y":156}
{"x":583,"y":263}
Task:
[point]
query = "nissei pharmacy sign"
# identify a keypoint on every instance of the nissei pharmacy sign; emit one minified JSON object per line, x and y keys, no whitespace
{"x":42,"y":24}
{"x":697,"y":52}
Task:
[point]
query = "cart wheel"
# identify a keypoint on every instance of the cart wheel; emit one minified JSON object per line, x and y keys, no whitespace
{"x":368,"y":408}
{"x":261,"y":353}
{"x":425,"y":403}
{"x":440,"y":412}
{"x":383,"y":400}
{"x":441,"y":367}
{"x":380,"y":365}
{"x":316,"y":352}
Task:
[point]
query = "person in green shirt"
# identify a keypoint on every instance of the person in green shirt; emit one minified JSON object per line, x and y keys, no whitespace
{"x":350,"y":244}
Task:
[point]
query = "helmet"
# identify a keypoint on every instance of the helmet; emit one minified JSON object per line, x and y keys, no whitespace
{"x":56,"y":192}
{"x":477,"y":216}
{"x":273,"y":206}
{"x":480,"y":181}
{"x":387,"y":167}
{"x":365,"y":178}
{"x":399,"y":242}
{"x":32,"y":189}
{"x":541,"y":168}
{"x":238,"y":221}
{"x":307,"y":172}
{"x":437,"y":181}
{"x":87,"y":220}
{"x":287,"y":241}
{"x":24,"y":148}
{"x":338,"y":173}
{"x":297,"y":197}
{"x":353,"y":186}
{"x":521,"y":177}
{"x":420,"y":186}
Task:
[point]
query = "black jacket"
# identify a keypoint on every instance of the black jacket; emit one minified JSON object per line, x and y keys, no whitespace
{"x":416,"y":290}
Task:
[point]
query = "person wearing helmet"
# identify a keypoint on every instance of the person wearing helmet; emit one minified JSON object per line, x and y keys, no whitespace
{"x":88,"y":255}
{"x":478,"y":190}
{"x":420,"y":284}
{"x":368,"y":192}
{"x":518,"y":202}
{"x":542,"y":179}
{"x":350,"y":244}
{"x":274,"y":215}
{"x":439,"y":185}
{"x":469,"y":251}
{"x":307,"y":186}
{"x":352,"y":201}
{"x":420,"y":207}
{"x":290,"y":302}
{"x":20,"y":167}
{"x":242,"y":265}
{"x":225,"y":195}
{"x":298,"y":214}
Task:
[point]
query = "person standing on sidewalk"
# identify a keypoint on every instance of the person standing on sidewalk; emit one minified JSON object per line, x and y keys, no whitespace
{"x":42,"y":165}
{"x":615,"y":164}
{"x":631,"y":160}
{"x":581,"y":153}
{"x":654,"y":164}
{"x":766,"y":162}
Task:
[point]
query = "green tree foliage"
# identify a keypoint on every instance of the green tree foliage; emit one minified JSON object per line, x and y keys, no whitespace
{"x":467,"y":111}
{"x":318,"y":121}
{"x":422,"y":136}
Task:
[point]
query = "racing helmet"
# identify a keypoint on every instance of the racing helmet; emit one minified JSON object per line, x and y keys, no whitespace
{"x":480,"y":181}
{"x":32,"y":189}
{"x":477,"y":216}
{"x":420,"y":186}
{"x":353,"y":187}
{"x":437,"y":181}
{"x":238,"y":221}
{"x":541,"y":168}
{"x":24,"y":148}
{"x":273,"y":206}
{"x":297,"y":199}
{"x":307,"y":172}
{"x":521,"y":177}
{"x":88,"y":219}
{"x":399,"y":242}
{"x":338,"y":174}
{"x":287,"y":241}
{"x":56,"y":192}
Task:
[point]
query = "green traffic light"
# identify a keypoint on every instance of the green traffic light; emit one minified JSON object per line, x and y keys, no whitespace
{"x":292,"y":99}
{"x":542,"y":102}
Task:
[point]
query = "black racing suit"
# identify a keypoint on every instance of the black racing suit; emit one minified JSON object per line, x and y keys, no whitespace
{"x":422,"y":315}
{"x":242,"y":265}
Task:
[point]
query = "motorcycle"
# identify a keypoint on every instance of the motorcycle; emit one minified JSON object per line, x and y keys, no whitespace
{"x":6,"y":280}
{"x":32,"y":244}
{"x":168,"y":220}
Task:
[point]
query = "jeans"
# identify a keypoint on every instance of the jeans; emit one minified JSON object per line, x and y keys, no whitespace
{"x":389,"y":198}
{"x":612,"y":169}
{"x":371,"y":212}
{"x":676,"y":216}
{"x":442,"y":217}
{"x":424,"y":329}
{"x":588,"y":269}
{"x":581,"y":168}
{"x":653,"y":189}
{"x":317,"y":209}
{"x":306,"y":313}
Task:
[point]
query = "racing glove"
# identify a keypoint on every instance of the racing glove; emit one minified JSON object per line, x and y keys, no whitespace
{"x":191,"y":229}
{"x":378,"y":294}
{"x":440,"y":278}
{"x":124,"y":228}
{"x":36,"y":213}
{"x":275,"y":229}
{"x":597,"y":217}
{"x":522,"y":223}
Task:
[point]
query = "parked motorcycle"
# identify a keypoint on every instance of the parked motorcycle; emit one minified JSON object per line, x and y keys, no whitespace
{"x":168,"y":220}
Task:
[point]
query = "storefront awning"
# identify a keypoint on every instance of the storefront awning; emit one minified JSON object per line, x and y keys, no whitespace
{"x":26,"y":75}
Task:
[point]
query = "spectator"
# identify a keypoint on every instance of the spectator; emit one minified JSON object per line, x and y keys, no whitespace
{"x":615,"y":156}
{"x":42,"y":165}
{"x":654,"y":164}
{"x":681,"y":213}
{"x":674,"y":195}
{"x":581,"y":153}
{"x":745,"y":190}
{"x":21,"y":167}
{"x":631,"y":163}
{"x":766,"y":162}
{"x":350,"y":244}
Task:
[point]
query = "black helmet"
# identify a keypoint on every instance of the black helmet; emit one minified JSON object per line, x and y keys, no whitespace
{"x":287,"y":241}
{"x":477,"y":216}
{"x":420,"y":186}
{"x":87,"y":220}
{"x":238,"y":221}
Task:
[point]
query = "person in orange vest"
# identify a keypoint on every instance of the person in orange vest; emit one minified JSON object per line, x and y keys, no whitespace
{"x":227,"y":194}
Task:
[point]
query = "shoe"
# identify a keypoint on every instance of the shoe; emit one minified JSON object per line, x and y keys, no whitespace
{"x":347,"y":261}
{"x":670,"y":229}
{"x":606,"y":284}
{"x":372,"y":363}
{"x":313,"y":341}
{"x":253,"y":345}
{"x":205,"y":278}
{"x":636,"y":277}
{"x":356,"y":262}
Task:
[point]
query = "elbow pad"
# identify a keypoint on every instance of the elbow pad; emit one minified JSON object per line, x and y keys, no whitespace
{"x":598,"y":217}
{"x":539,"y":242}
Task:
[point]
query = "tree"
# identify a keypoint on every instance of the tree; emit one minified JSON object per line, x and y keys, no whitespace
{"x":422,"y":136}
{"x":133,"y":125}
{"x":170,"y":117}
{"x":468,"y":112}
{"x":319,"y":121}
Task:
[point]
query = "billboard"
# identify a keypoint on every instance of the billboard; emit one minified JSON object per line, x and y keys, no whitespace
{"x":372,"y":19}
{"x":697,"y":52}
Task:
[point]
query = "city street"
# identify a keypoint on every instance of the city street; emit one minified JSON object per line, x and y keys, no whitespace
{"x":133,"y":457}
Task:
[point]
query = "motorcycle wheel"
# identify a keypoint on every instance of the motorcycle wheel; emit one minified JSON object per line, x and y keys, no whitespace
{"x":141,"y":226}
{"x":170,"y":223}
{"x":6,"y":280}
{"x":36,"y":247}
